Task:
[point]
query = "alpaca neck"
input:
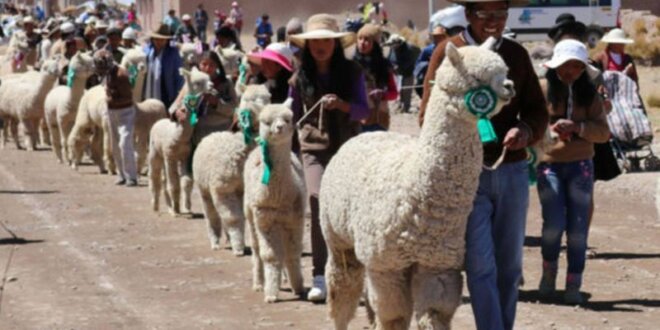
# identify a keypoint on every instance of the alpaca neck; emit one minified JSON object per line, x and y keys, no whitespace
{"x":448,"y":146}
{"x":45,"y":84}
{"x":280,"y":156}
{"x":77,"y":91}
{"x":139,"y":87}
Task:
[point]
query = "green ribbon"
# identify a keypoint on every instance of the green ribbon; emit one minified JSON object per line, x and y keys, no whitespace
{"x":70,"y":76}
{"x":245,"y":121}
{"x":132,"y":74}
{"x":481,"y":101}
{"x":191,"y":102}
{"x":531,"y":160}
{"x":242,"y":74}
{"x":268,"y":163}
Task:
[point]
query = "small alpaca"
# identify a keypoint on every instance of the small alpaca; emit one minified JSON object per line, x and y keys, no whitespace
{"x":190,"y":54}
{"x":16,"y":55}
{"x":170,"y":147}
{"x":22,"y":101}
{"x":61,"y":105}
{"x":274,"y":203}
{"x":396,"y":207}
{"x":231,"y":60}
{"x":218,"y":171}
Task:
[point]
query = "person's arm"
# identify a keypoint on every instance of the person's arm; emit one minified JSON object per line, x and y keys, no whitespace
{"x":533,"y":112}
{"x":595,"y":128}
{"x":296,"y":105}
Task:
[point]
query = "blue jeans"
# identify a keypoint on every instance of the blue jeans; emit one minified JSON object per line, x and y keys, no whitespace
{"x":494,"y":244}
{"x":565,"y":191}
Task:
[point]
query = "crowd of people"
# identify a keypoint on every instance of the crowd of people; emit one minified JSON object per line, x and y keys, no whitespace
{"x":309,"y":63}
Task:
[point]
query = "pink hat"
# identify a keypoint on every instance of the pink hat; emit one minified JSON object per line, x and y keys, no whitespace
{"x":276,"y":52}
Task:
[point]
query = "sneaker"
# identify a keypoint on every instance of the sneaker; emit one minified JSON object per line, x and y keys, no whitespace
{"x":131,"y":183}
{"x":318,"y":291}
{"x":120,"y":182}
{"x":572,"y":296}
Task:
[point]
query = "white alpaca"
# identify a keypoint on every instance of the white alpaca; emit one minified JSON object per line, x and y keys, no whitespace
{"x":189,"y":54}
{"x":16,"y":55}
{"x":231,"y":59}
{"x":169,"y":149}
{"x":22,"y":101}
{"x":397,"y":206}
{"x":61,"y":103}
{"x":218,"y":171}
{"x":274,"y":203}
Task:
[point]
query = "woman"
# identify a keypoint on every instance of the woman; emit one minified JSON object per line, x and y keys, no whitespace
{"x":330,"y":91}
{"x":214,"y":112}
{"x":381,"y":86}
{"x":614,"y":57}
{"x":276,"y":65}
{"x":566,"y":172}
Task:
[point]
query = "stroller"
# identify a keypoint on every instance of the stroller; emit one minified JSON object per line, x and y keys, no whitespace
{"x":632,"y":135}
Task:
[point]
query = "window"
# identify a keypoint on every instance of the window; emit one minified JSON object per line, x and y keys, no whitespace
{"x":562,"y":3}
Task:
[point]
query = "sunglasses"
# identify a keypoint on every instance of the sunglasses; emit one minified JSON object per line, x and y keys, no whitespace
{"x":492,"y":14}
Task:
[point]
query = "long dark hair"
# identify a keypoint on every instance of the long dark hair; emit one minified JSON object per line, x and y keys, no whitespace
{"x":376,"y":64}
{"x":213,"y":56}
{"x":583,"y":89}
{"x":342,"y":74}
{"x":280,"y":90}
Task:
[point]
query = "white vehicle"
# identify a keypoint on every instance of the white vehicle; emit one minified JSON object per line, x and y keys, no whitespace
{"x":532,"y":22}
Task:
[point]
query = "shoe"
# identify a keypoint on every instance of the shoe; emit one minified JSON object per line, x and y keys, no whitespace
{"x":572,"y":296}
{"x":548,"y":279}
{"x":131,"y":183}
{"x":318,"y":292}
{"x":120,"y":182}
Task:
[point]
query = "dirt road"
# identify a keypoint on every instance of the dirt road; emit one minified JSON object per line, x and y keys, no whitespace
{"x":90,"y":255}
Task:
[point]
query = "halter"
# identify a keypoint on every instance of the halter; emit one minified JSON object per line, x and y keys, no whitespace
{"x":245,"y":122}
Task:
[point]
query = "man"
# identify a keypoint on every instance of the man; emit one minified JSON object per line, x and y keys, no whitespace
{"x":444,"y":24}
{"x":496,"y":227}
{"x":172,"y":21}
{"x":186,"y":32}
{"x":121,"y":115}
{"x":163,"y":80}
{"x":28,"y":26}
{"x":403,"y":56}
{"x":114,"y":42}
{"x":201,"y":22}
{"x":263,"y":32}
{"x":129,"y":38}
{"x":236,"y":16}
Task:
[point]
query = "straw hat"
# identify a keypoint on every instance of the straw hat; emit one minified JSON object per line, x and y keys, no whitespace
{"x":163,"y":32}
{"x":570,"y":49}
{"x":323,"y":26}
{"x":26,"y":20}
{"x":512,"y":3}
{"x":616,"y":36}
{"x":276,"y":52}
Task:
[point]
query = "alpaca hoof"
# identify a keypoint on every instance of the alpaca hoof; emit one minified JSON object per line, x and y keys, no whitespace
{"x":215,"y":246}
{"x":238,"y":252}
{"x":257,"y":287}
{"x":270,"y":299}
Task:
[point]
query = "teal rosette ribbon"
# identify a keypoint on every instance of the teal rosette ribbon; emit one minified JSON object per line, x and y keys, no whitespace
{"x":132,"y":74}
{"x":481,"y":102}
{"x":268,"y":163}
{"x":191,"y":102}
{"x":245,"y":121}
{"x":70,"y":77}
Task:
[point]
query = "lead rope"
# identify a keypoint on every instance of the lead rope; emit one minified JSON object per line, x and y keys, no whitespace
{"x":318,"y":104}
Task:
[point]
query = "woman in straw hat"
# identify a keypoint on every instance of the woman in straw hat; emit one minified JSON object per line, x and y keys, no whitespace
{"x":566,"y":172}
{"x":381,"y":86}
{"x":614,"y":57}
{"x":163,"y":80}
{"x":330,"y":91}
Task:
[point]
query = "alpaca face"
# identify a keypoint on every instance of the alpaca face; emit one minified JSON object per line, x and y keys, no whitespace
{"x":276,"y":123}
{"x":255,"y":98}
{"x":471,"y":67}
{"x":51,"y":66}
{"x":197,"y":81}
{"x":189,"y":55}
{"x":135,"y":57}
{"x":231,"y":60}
{"x":82,"y":64}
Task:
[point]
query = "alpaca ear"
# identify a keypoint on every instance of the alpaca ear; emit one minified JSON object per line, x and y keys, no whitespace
{"x":289,"y":102}
{"x":185,"y":73}
{"x":451,"y":52}
{"x":489,"y":44}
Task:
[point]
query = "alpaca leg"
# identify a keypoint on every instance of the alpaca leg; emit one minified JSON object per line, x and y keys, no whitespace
{"x":390,"y":297}
{"x":34,"y":136}
{"x":44,"y":136}
{"x":67,"y":126}
{"x":271,"y":252}
{"x":292,"y":240}
{"x":344,"y":276}
{"x":257,"y":264}
{"x":96,"y":151}
{"x":437,"y":295}
{"x":29,"y":130}
{"x":13,"y":125}
{"x":5,"y":131}
{"x":213,"y":224}
{"x":230,"y":207}
{"x":54,"y":131}
{"x":173,"y":185}
{"x":187,"y":184}
{"x":155,"y":178}
{"x":141,"y":148}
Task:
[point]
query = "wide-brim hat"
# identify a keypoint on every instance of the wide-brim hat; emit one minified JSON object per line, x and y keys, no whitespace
{"x":323,"y":26}
{"x":566,"y":23}
{"x":69,"y":9}
{"x":53,"y":30}
{"x":616,"y":36}
{"x":567,"y":50}
{"x":163,"y":32}
{"x":512,"y":3}
{"x":276,"y":52}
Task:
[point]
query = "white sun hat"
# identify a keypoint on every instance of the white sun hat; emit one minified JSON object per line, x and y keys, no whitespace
{"x":67,"y":27}
{"x":570,"y":49}
{"x":616,"y":36}
{"x":323,"y":26}
{"x":185,"y":17}
{"x":449,"y":17}
{"x":129,"y":34}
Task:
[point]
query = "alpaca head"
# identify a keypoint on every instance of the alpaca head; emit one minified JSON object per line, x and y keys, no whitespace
{"x":276,"y":123}
{"x":253,"y":100}
{"x":19,"y":42}
{"x":51,"y":66}
{"x":82,"y":65}
{"x":135,"y":57}
{"x":231,"y":60}
{"x":190,"y":54}
{"x":475,"y":70}
{"x":197,"y":81}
